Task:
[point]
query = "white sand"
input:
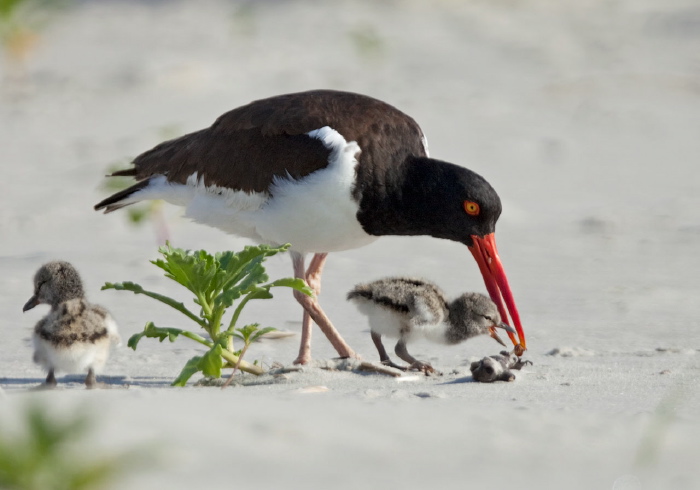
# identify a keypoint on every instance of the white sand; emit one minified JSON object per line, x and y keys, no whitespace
{"x":583,"y":115}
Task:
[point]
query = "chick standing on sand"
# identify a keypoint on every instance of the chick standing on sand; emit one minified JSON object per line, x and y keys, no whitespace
{"x":75,"y":336}
{"x":407,"y":308}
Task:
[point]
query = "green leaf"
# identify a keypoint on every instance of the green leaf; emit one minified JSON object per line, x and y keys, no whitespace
{"x":259,"y":333}
{"x":227,"y":298}
{"x":259,"y":293}
{"x":136,"y":289}
{"x":244,"y":333}
{"x":294,"y":283}
{"x":191,"y":367}
{"x":194,"y":270}
{"x":211,"y":363}
{"x":162,"y":333}
{"x":237,"y":265}
{"x":251,"y":333}
{"x":134,"y":340}
{"x":137,"y":214}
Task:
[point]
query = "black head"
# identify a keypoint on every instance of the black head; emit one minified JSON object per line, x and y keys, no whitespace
{"x":55,"y":283}
{"x":430,"y":197}
{"x":423,"y":196}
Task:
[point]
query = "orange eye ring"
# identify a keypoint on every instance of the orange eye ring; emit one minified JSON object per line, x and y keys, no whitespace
{"x":471,"y":208}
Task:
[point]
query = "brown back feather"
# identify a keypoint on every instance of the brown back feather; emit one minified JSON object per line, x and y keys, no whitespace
{"x":228,"y":154}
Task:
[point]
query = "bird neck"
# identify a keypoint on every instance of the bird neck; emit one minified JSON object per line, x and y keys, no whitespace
{"x":461,"y":325}
{"x":405,"y":199}
{"x":60,"y":299}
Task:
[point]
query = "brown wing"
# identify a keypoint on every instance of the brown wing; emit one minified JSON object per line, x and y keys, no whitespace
{"x":248,"y":146}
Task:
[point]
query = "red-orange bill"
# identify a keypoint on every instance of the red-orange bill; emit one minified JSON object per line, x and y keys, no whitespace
{"x":486,"y":256}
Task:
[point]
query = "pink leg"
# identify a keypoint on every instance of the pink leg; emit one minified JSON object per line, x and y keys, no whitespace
{"x":304,"y":356}
{"x":313,"y":311}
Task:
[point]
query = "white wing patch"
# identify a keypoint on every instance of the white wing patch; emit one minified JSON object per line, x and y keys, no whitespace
{"x":315,"y":213}
{"x":212,"y":205}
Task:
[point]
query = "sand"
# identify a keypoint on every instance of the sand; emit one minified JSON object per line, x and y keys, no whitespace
{"x":583,"y":115}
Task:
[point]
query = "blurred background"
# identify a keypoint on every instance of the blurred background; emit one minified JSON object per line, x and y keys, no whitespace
{"x":584,"y":115}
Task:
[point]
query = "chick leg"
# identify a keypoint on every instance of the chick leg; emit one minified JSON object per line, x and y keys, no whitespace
{"x":383,"y":356}
{"x":402,"y":352}
{"x":90,"y":380}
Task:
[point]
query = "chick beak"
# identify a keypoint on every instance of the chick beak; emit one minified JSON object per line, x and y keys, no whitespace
{"x":33,"y":301}
{"x":494,"y":335}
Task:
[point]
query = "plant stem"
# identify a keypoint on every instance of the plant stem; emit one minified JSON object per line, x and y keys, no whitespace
{"x":215,"y":323}
{"x":237,"y":313}
{"x":206,"y":307}
{"x":197,"y":338}
{"x":235,"y":368}
{"x":242,"y":365}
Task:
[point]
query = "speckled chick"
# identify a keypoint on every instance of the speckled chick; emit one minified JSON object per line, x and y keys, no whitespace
{"x":497,"y":368}
{"x":408,"y":308}
{"x":75,"y":336}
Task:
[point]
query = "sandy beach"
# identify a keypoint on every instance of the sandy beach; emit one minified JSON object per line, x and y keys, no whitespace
{"x":584,"y":116}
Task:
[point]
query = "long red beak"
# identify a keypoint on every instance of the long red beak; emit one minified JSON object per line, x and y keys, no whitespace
{"x":486,"y":255}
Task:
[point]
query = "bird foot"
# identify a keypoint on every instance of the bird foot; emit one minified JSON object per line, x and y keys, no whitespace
{"x":514,"y":362}
{"x":391,"y":364}
{"x":521,"y":363}
{"x":96,"y":385}
{"x":44,"y":387}
{"x":425,"y":367}
{"x":303,"y":360}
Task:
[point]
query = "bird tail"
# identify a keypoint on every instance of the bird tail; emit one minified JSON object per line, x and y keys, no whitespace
{"x":121,"y":198}
{"x":359,"y":292}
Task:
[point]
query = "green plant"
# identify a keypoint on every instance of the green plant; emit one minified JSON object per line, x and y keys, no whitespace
{"x":20,"y":22}
{"x":46,"y":456}
{"x":367,"y":42}
{"x":248,"y":334}
{"x":217,"y":282}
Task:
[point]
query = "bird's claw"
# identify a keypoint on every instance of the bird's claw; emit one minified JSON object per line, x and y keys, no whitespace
{"x":425,"y":367}
{"x":521,"y":363}
{"x":391,"y":364}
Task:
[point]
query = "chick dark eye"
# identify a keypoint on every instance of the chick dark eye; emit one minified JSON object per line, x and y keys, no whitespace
{"x":489,"y":370}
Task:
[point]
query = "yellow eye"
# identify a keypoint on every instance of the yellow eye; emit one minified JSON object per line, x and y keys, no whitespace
{"x":471,"y":208}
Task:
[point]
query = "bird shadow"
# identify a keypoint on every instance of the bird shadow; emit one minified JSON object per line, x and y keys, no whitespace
{"x":73,"y":381}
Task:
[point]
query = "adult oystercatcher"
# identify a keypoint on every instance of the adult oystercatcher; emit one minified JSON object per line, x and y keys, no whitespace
{"x":325,"y":171}
{"x":75,"y":336}
{"x":407,"y":308}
